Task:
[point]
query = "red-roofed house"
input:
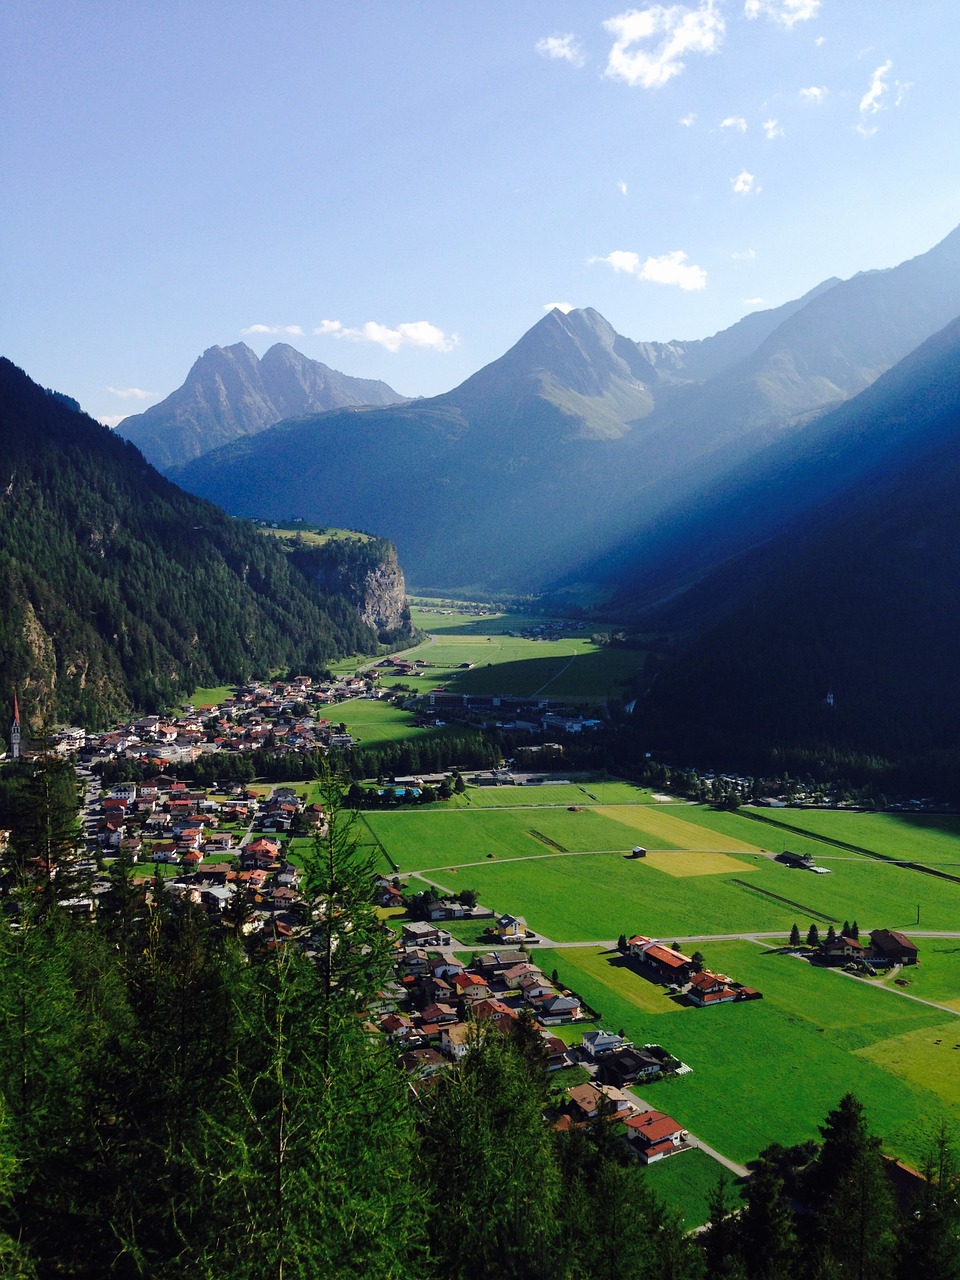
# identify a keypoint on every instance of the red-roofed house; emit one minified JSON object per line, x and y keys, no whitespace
{"x":654,"y":1135}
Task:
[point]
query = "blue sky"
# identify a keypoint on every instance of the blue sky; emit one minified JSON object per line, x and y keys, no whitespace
{"x":401,"y":189}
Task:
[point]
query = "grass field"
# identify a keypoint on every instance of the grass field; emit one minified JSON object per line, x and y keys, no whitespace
{"x":686,"y":1181}
{"x":769,"y":1070}
{"x":571,"y":668}
{"x":374,"y":723}
{"x":930,"y":838}
{"x":211,"y":696}
{"x":421,"y":839}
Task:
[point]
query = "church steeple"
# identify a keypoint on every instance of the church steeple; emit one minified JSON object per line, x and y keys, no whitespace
{"x":15,"y":730}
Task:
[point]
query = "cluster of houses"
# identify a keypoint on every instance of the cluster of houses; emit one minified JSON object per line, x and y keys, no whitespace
{"x":885,"y":948}
{"x":439,"y":1006}
{"x":228,"y":852}
{"x":701,"y":987}
{"x":286,"y":716}
{"x":506,"y":711}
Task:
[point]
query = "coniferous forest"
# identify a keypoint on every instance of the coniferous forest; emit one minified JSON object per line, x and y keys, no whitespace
{"x":121,"y":591}
{"x":175,"y":1101}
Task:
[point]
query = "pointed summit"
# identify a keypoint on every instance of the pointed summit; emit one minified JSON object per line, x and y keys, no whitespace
{"x":230,"y":392}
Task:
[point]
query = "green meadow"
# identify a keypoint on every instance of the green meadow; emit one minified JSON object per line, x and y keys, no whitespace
{"x":434,"y":838}
{"x":572,"y":667}
{"x":929,"y":838}
{"x":686,"y":1182}
{"x":696,"y":879}
{"x":768,"y":1070}
{"x":374,"y":723}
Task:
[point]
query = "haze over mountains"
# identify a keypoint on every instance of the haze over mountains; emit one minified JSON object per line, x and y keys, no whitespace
{"x":573,"y":457}
{"x":230,"y":392}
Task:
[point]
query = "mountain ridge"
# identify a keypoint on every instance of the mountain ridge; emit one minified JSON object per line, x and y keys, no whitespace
{"x":229,"y":392}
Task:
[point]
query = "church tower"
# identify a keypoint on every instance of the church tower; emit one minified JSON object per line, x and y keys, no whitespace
{"x":15,"y":730}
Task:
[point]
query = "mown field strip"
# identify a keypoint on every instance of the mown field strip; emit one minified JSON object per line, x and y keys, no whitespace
{"x":685,"y":835}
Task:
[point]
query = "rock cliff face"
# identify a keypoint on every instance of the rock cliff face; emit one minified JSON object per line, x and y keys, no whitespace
{"x":368,"y":574}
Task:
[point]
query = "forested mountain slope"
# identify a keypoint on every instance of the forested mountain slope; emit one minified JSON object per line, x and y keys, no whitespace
{"x":120,"y":590}
{"x":838,"y":628}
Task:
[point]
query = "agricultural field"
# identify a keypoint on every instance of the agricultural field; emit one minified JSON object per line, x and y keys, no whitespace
{"x":769,"y":1070}
{"x":374,"y":723}
{"x":686,"y":1182}
{"x":928,"y":838}
{"x":695,"y":880}
{"x":571,"y":667}
{"x":562,"y":794}
{"x":434,"y":838}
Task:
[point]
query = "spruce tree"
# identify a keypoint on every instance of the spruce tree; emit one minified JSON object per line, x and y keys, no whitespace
{"x":813,"y":936}
{"x":767,"y":1238}
{"x":929,"y":1244}
{"x":847,"y":1188}
{"x":795,"y":936}
{"x":491,"y":1176}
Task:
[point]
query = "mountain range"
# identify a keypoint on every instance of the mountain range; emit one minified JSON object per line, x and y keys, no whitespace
{"x":577,"y":459}
{"x":229,"y":393}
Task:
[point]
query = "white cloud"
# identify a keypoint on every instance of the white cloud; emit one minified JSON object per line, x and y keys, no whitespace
{"x":744,"y":184}
{"x":566,"y":48}
{"x":565,"y":307}
{"x":815,"y":94}
{"x":734,"y":122}
{"x":681,"y":31}
{"x":132,"y":393}
{"x":785,"y":12}
{"x":871,"y":102}
{"x":292,"y":330}
{"x":903,"y":88}
{"x":669,"y":268}
{"x":744,"y":255}
{"x":112,"y":420}
{"x":688,"y":120}
{"x":622,"y":188}
{"x":415,"y":333}
{"x":772,"y":130}
{"x":820,"y":41}
{"x":753,"y":302}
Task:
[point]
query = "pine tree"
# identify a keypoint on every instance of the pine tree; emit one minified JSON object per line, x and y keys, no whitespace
{"x":813,"y":936}
{"x":721,"y":1239}
{"x":306,"y":1158}
{"x":831,"y":935}
{"x":766,"y":1229}
{"x":489,"y":1215}
{"x":847,"y":1188}
{"x":929,"y":1244}
{"x":306,"y":1168}
{"x":795,"y":936}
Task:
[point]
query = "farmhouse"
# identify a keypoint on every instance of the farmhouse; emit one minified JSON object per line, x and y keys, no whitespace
{"x":890,"y":947}
{"x":668,"y":965}
{"x":841,"y":950}
{"x":707,"y":988}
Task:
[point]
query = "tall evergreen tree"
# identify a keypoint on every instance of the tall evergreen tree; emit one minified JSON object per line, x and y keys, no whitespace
{"x":929,"y":1244}
{"x":768,"y":1242}
{"x":493,"y":1182}
{"x":848,"y":1189}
